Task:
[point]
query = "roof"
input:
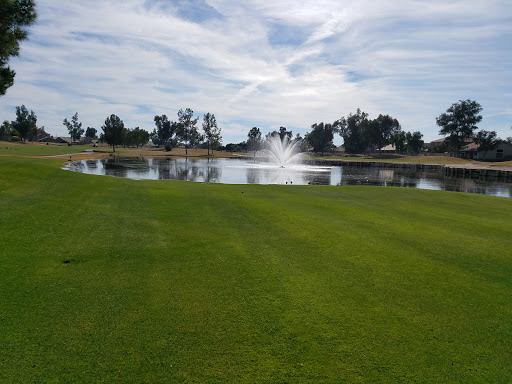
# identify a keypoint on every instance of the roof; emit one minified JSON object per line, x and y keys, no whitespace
{"x":443,"y":139}
{"x":389,"y":147}
{"x":471,"y":147}
{"x":66,"y":139}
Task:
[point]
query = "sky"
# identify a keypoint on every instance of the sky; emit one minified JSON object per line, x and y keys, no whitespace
{"x":264,"y":63}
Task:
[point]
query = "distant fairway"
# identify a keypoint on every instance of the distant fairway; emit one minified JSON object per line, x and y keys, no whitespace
{"x":38,"y":149}
{"x":115,"y":280}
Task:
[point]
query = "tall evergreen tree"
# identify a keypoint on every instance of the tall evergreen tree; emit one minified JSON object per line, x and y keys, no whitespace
{"x":113,"y":131}
{"x":15,"y":15}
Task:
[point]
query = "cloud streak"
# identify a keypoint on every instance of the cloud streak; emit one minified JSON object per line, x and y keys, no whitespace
{"x":266,"y":64}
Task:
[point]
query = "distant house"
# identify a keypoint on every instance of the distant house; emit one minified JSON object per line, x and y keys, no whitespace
{"x":390,"y":148}
{"x":63,"y":140}
{"x":68,"y":140}
{"x":501,"y":153}
{"x":44,"y":138}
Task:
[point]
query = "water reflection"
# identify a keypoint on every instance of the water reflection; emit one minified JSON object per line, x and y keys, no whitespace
{"x":243,"y":171}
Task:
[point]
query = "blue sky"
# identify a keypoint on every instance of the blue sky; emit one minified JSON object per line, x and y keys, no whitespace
{"x":265,"y":64}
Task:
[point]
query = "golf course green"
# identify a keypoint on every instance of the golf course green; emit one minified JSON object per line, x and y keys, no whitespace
{"x":127,"y":281}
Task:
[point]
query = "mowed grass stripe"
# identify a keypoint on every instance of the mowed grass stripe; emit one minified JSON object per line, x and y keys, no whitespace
{"x":189,"y":282}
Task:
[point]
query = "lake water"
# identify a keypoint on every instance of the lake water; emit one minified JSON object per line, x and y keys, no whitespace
{"x":246,"y":171}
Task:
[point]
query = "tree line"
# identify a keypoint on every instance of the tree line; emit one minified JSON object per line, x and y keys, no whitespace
{"x":185,"y":131}
{"x":360,"y":134}
{"x":166,"y":133}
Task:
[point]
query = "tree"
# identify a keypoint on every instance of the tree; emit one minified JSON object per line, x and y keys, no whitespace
{"x":187,"y":130}
{"x":211,"y":131}
{"x":380,"y":131}
{"x":399,"y":140}
{"x":351,"y":129}
{"x":459,"y":122}
{"x":303,"y":143}
{"x":25,"y":123}
{"x":321,"y":136}
{"x":91,"y":132}
{"x":164,"y":130}
{"x":254,"y":141}
{"x":283,"y":133}
{"x":74,"y":127}
{"x":113,"y":131}
{"x":414,"y":142}
{"x":14,"y":16}
{"x":487,"y":141}
{"x":140,"y":137}
{"x":6,"y":130}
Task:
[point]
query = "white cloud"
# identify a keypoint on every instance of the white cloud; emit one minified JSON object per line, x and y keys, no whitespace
{"x":410,"y":59}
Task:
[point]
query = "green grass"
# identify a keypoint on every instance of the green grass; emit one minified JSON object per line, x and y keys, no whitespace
{"x":114,"y":280}
{"x":38,"y":149}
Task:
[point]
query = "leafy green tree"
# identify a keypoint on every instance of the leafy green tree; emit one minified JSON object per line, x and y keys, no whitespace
{"x":254,"y":141}
{"x":487,"y":140}
{"x":127,"y":139}
{"x":164,"y":131}
{"x":91,"y":132}
{"x":140,"y":137}
{"x":240,"y":147}
{"x":284,"y":133}
{"x":113,"y":131}
{"x":352,"y":130}
{"x":509,"y":140}
{"x":211,"y":131}
{"x":459,"y":122}
{"x":187,"y":130}
{"x":320,"y":137}
{"x":74,"y":127}
{"x":14,"y":16}
{"x":303,"y":143}
{"x":399,"y":140}
{"x":25,"y":123}
{"x":6,"y":130}
{"x":414,"y":142}
{"x":380,"y":130}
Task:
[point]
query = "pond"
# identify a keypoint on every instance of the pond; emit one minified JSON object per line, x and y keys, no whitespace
{"x":246,"y":171}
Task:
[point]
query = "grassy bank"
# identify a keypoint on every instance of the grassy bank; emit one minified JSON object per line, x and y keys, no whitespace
{"x":39,"y":149}
{"x":443,"y":160}
{"x":115,"y":280}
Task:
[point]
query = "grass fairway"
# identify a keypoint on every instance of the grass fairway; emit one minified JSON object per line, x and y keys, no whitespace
{"x":39,"y":149}
{"x":115,"y":280}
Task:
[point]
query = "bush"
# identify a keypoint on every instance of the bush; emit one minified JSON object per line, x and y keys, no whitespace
{"x":168,"y":147}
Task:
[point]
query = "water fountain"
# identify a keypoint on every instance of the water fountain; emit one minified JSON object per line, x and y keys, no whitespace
{"x":282,"y":152}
